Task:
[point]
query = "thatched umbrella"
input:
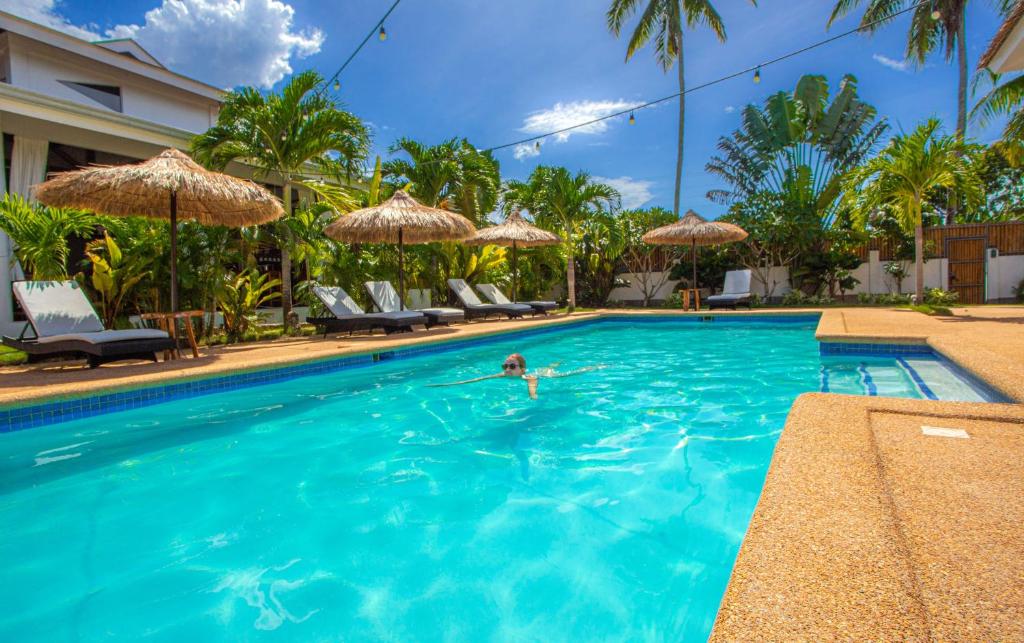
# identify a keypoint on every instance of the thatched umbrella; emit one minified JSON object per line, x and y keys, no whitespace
{"x":167,"y":186}
{"x":694,"y":230}
{"x":515,"y":232}
{"x":400,"y":219}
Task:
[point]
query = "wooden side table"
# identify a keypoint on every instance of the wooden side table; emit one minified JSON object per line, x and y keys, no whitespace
{"x":168,"y":323}
{"x":688,"y":294}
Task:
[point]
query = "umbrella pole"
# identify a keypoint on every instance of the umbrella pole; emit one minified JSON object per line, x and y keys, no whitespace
{"x":515,"y":273}
{"x":401,"y":272}
{"x":693,"y":284}
{"x":174,"y":251}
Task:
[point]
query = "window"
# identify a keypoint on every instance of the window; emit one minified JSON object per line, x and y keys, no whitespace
{"x":106,"y":95}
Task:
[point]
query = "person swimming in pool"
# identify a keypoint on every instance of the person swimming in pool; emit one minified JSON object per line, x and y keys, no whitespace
{"x":515,"y":366}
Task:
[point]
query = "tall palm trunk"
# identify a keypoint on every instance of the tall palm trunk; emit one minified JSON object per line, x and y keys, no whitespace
{"x":919,"y":259}
{"x":570,"y":275}
{"x":682,"y":121}
{"x":961,"y":103}
{"x":286,"y":259}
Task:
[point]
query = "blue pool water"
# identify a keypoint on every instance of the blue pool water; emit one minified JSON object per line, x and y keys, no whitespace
{"x":362,"y":505}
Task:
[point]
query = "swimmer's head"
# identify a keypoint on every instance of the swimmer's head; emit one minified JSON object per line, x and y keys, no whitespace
{"x":514,"y":365}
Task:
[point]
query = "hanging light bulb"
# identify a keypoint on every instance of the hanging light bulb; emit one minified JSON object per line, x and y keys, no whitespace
{"x":757,"y":75}
{"x":283,"y":136}
{"x":536,"y":145}
{"x":936,"y":14}
{"x":383,"y":35}
{"x":632,"y":119}
{"x":337,"y":84}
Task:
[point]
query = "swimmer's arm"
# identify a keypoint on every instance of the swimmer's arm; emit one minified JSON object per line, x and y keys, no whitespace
{"x":585,"y":369}
{"x":531,"y":385}
{"x":475,"y":379}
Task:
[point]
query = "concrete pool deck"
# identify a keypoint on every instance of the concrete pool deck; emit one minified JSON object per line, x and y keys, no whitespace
{"x":866,"y":528}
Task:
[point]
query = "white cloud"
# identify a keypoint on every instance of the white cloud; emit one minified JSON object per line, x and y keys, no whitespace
{"x":568,"y":114}
{"x":634,"y":192}
{"x":892,"y":63}
{"x":223,"y":42}
{"x":729,"y":109}
{"x":44,"y":12}
{"x":525,"y":151}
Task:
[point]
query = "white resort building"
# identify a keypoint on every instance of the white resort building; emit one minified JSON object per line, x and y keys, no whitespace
{"x":66,"y":103}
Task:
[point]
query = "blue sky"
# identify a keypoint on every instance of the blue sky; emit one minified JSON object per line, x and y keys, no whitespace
{"x":486,"y":70}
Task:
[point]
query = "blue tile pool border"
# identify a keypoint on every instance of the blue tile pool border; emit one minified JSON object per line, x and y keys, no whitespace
{"x":15,"y":418}
{"x":872,"y":349}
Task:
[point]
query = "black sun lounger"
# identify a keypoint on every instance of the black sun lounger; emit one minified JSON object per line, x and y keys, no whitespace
{"x":476,"y":308}
{"x":495,"y":296}
{"x":736,"y":291}
{"x":349,"y":317}
{"x":65,"y":324}
{"x":385,"y":298}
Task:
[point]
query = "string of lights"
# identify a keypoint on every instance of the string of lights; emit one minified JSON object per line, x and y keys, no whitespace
{"x":536,"y":139}
{"x":382,"y":34}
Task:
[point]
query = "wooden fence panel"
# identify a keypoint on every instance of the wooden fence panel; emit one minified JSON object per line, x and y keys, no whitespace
{"x":1007,"y":237}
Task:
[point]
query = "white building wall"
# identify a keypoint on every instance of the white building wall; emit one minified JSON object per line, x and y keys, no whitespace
{"x":777,"y":282}
{"x":38,"y":68}
{"x":1004,"y":274}
{"x":871,"y":275}
{"x":634,"y":291}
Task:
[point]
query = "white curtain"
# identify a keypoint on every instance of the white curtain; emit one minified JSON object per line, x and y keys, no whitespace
{"x":28,"y":167}
{"x":28,"y":164}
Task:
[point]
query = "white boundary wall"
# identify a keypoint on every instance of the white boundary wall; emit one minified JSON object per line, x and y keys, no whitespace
{"x":1003,"y":274}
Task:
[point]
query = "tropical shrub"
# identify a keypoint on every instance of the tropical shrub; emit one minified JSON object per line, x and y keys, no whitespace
{"x":114,"y":276}
{"x":239,"y":299}
{"x":42,"y":236}
{"x":940,"y":297}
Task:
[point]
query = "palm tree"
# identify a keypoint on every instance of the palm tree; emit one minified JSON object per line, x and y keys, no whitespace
{"x":926,"y":33}
{"x":453,"y":173}
{"x":901,"y":177}
{"x":663,"y":21}
{"x":285,"y":134}
{"x":1005,"y":99}
{"x":558,"y":199}
{"x":798,"y":146}
{"x":456,"y":176}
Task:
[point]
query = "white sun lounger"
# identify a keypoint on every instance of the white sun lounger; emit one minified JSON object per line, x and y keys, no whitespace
{"x":385,"y":298}
{"x":735,"y":292}
{"x":476,"y":308}
{"x":65,"y":323}
{"x":495,"y":296}
{"x":350,"y":317}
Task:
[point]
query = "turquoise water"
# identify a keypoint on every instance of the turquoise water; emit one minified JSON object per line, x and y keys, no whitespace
{"x":361,"y":505}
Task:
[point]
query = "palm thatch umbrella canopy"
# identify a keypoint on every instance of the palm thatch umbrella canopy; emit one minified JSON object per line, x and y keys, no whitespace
{"x":517,"y":233}
{"x":694,"y":230}
{"x":168,"y":186}
{"x":400,"y":219}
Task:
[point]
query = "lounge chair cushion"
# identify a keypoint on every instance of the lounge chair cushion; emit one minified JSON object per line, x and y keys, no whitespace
{"x":494,"y":294}
{"x":106,"y":336}
{"x":472,"y":302}
{"x":337,"y":301}
{"x":737,"y":282}
{"x":464,"y":292}
{"x":386,"y":298}
{"x":57,"y":307}
{"x":736,"y":297}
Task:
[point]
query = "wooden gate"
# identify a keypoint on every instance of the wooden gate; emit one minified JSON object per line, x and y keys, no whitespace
{"x":967,"y":268}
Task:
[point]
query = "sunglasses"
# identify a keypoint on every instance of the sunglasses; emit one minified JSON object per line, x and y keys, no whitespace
{"x":508,"y":366}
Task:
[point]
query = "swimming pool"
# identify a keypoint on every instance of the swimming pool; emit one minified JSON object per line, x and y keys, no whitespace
{"x":361,"y":504}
